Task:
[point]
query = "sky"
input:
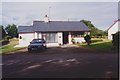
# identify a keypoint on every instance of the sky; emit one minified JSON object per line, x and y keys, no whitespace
{"x":101,"y":14}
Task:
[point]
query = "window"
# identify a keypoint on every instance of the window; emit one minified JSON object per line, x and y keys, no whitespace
{"x":20,"y":37}
{"x":50,"y":37}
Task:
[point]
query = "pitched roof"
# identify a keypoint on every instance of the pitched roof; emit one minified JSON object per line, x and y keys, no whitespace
{"x":25,"y":29}
{"x":60,"y":26}
{"x":114,"y":24}
{"x":54,"y":26}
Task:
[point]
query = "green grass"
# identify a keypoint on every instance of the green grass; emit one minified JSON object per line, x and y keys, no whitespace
{"x":10,"y":47}
{"x":98,"y":44}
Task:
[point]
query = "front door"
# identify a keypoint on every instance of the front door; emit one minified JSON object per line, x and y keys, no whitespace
{"x":65,"y":37}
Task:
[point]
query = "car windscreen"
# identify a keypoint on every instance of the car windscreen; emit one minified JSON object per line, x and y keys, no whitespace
{"x":37,"y":41}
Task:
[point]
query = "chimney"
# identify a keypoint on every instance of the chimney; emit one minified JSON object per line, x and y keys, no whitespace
{"x":46,"y":19}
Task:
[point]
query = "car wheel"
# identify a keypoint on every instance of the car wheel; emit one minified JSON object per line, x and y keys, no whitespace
{"x":29,"y":50}
{"x":45,"y":47}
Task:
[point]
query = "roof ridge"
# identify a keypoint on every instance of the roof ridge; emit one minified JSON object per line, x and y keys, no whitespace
{"x":57,"y":21}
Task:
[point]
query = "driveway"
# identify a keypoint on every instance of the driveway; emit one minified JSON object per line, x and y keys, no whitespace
{"x":64,"y":62}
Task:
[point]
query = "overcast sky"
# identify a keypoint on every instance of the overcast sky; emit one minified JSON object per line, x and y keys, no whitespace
{"x":101,"y":14}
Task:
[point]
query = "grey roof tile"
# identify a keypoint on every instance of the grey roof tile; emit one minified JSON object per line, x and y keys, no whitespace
{"x":54,"y":26}
{"x":60,"y":26}
{"x":25,"y":29}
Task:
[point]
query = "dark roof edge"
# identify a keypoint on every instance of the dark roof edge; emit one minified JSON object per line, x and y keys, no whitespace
{"x":62,"y":31}
{"x":25,"y":32}
{"x":53,"y":31}
{"x":25,"y":26}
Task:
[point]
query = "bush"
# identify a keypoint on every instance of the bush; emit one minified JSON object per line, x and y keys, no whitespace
{"x":99,"y":35}
{"x":5,"y":42}
{"x":7,"y":38}
{"x":73,"y":41}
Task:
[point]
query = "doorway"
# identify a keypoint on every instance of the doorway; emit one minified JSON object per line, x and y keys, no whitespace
{"x":65,"y":37}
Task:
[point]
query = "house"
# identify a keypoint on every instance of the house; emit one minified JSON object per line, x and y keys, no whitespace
{"x":113,"y":29}
{"x":54,"y":32}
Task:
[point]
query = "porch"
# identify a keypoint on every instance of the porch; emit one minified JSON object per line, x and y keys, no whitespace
{"x":61,"y":38}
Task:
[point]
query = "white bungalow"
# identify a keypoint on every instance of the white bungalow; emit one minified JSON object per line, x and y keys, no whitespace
{"x":54,"y":32}
{"x":114,"y":28}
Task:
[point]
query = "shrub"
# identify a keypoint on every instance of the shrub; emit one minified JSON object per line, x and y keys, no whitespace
{"x":7,"y":38}
{"x":73,"y":41}
{"x":5,"y":42}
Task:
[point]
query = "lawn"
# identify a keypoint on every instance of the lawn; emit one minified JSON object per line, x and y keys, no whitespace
{"x":10,"y":47}
{"x":98,"y":44}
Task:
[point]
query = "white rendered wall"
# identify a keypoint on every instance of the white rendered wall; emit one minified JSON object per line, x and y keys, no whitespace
{"x":26,"y":39}
{"x":39,"y":35}
{"x":112,"y":30}
{"x":52,"y":44}
{"x":36,"y":35}
{"x":60,"y":38}
{"x":80,"y":40}
{"x":69,"y":38}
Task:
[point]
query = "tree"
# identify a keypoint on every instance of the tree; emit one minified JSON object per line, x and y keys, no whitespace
{"x":94,"y":31}
{"x":3,"y":33}
{"x":105,"y":33}
{"x":11,"y":30}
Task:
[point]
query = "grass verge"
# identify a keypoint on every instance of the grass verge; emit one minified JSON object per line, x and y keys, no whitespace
{"x":98,"y":44}
{"x":10,"y":47}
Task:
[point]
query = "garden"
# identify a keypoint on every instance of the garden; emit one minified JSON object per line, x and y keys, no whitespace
{"x":9,"y":46}
{"x":98,"y":44}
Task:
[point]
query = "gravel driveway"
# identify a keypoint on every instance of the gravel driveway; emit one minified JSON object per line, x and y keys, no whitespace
{"x":64,"y":62}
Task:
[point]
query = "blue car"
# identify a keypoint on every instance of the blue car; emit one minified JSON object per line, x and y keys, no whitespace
{"x":37,"y":44}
